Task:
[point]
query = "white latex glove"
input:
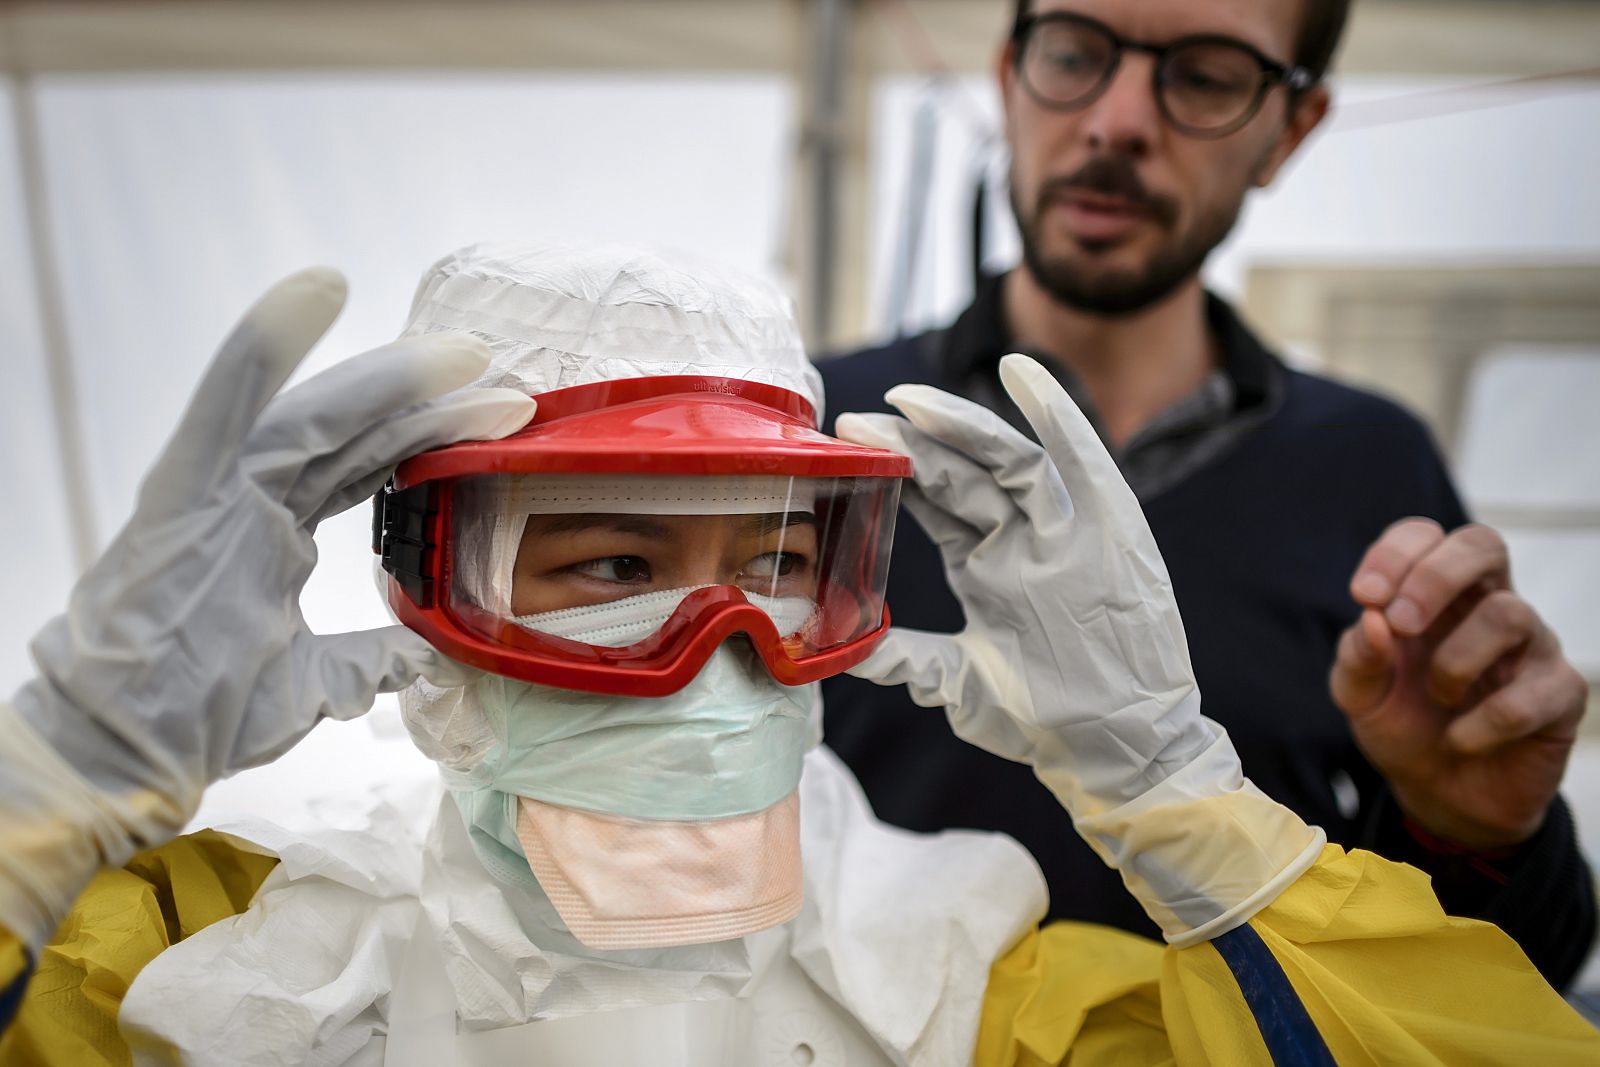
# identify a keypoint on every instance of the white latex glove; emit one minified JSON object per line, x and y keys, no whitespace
{"x":183,"y":655}
{"x":1074,"y":658}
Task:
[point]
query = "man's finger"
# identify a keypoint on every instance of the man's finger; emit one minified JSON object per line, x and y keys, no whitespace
{"x":1364,"y":666}
{"x":1471,"y":558}
{"x":1501,"y":623}
{"x":1379,"y":574}
{"x":1545,"y":698}
{"x":258,"y":356}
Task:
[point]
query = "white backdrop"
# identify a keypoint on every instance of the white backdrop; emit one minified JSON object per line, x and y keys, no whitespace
{"x":35,"y":540}
{"x":176,"y":200}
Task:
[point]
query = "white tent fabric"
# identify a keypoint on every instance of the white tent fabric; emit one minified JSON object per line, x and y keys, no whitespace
{"x":175,"y":200}
{"x":36,"y":559}
{"x":1533,"y":451}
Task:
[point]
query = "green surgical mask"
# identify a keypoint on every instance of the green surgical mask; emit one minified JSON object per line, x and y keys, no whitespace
{"x":730,"y":743}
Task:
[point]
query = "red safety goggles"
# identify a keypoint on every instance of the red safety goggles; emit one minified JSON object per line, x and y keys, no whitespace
{"x":634,"y":526}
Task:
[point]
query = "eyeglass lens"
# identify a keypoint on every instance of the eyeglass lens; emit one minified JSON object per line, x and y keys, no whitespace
{"x":1205,"y":85}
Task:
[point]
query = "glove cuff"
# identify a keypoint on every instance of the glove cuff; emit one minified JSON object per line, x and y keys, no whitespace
{"x":56,"y":830}
{"x":1203,"y":850}
{"x":1247,"y":909}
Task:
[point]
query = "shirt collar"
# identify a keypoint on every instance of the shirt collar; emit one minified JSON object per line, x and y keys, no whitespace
{"x":978,"y":338}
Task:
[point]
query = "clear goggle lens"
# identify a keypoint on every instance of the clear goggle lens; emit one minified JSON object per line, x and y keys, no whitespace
{"x":633,"y":562}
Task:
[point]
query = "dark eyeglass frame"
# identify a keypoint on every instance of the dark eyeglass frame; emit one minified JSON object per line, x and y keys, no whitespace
{"x":1295,"y":78}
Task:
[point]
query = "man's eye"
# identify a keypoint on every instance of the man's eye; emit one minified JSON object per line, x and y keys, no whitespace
{"x":1205,"y":83}
{"x":1212,"y":78}
{"x":1070,"y":62}
{"x":626,"y":569}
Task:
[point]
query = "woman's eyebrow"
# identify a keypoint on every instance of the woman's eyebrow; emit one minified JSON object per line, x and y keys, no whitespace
{"x":638,"y":525}
{"x":758,"y":525}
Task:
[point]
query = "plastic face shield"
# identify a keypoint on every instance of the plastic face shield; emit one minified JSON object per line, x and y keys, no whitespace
{"x":634,"y":526}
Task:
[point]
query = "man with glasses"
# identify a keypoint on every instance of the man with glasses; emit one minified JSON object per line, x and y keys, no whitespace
{"x":1358,"y":638}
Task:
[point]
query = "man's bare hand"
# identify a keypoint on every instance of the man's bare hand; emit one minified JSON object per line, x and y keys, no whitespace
{"x":1455,"y":689}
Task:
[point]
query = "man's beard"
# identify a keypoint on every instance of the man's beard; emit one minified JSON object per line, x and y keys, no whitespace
{"x":1099,"y":290}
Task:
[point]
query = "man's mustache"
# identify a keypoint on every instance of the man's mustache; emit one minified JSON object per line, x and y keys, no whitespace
{"x":1111,"y":176}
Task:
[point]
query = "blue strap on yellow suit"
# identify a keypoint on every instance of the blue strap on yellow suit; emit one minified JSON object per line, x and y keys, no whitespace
{"x":1290,"y":1035}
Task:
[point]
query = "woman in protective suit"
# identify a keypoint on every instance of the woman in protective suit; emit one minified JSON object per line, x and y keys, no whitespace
{"x":617,"y":597}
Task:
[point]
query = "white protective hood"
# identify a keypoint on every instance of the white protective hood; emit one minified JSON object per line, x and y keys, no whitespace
{"x":555,"y":317}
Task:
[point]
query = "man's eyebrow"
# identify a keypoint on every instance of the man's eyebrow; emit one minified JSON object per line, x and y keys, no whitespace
{"x":758,"y":525}
{"x":638,"y":525}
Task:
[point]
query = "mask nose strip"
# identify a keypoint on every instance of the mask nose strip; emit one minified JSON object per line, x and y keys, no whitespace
{"x":619,"y":623}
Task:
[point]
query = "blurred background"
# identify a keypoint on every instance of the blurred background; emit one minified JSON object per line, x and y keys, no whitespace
{"x":161,"y":162}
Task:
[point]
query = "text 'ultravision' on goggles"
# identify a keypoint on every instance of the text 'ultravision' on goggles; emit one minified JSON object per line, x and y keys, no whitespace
{"x":633,"y":526}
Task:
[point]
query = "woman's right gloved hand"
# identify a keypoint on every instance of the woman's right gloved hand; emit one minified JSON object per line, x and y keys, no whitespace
{"x":183,"y":655}
{"x":1074,"y":659}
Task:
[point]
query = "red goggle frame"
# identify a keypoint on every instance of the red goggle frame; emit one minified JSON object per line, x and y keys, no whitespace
{"x":669,"y":425}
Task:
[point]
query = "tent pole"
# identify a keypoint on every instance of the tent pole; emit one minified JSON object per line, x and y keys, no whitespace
{"x":52,"y":321}
{"x":828,"y":220}
{"x":829,"y":39}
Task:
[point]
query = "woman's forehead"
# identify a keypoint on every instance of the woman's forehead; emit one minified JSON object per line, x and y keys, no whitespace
{"x":665,"y":527}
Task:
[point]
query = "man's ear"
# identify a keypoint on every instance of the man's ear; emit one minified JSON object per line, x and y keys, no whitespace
{"x":1005,"y":72}
{"x":1308,"y":112}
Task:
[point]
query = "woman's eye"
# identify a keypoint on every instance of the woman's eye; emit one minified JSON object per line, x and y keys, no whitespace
{"x":775,"y":565}
{"x":622,"y":569}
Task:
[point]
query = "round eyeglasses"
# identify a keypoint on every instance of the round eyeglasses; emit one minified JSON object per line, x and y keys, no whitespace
{"x":1206,"y":86}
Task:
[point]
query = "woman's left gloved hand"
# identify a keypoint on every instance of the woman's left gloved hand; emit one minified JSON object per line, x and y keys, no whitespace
{"x":1074,"y":659}
{"x":182,"y":654}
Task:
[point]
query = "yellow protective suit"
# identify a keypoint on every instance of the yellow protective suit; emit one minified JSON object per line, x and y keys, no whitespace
{"x":123,"y":920}
{"x":1355,"y":959}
